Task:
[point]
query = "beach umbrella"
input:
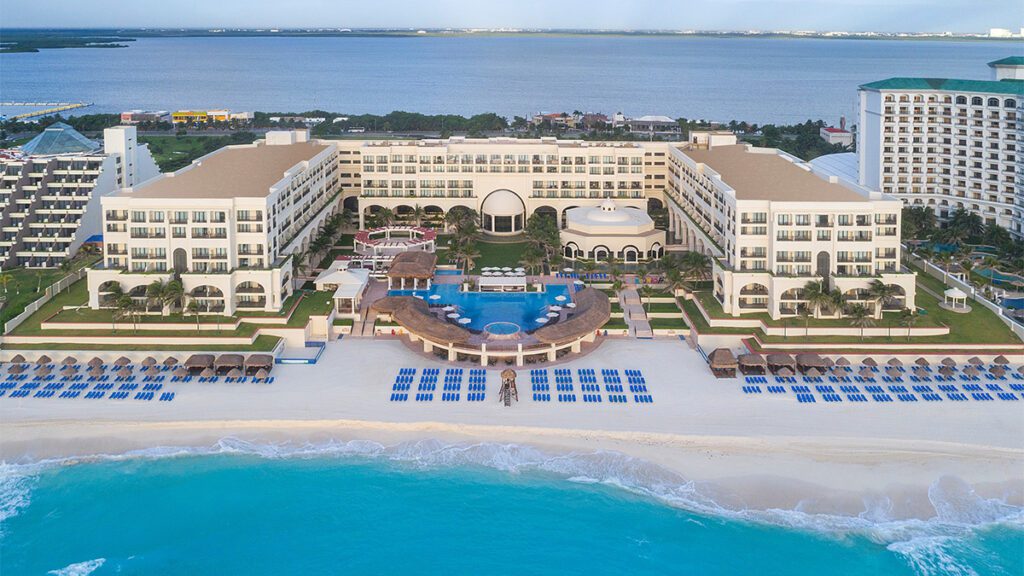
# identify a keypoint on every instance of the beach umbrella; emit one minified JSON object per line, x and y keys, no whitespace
{"x":827,"y":362}
{"x":95,"y":362}
{"x":18,"y":359}
{"x":42,"y":371}
{"x":170,"y":361}
{"x":122,"y":361}
{"x":68,"y":371}
{"x":997,"y":370}
{"x":842,"y":361}
{"x":435,"y":296}
{"x":892,"y":371}
{"x":894,"y":362}
{"x":454,"y":315}
{"x":70,"y":361}
{"x":560,"y":298}
{"x":180,"y":371}
{"x":16,"y":369}
{"x":44,"y":359}
{"x":971,"y":371}
{"x":922,"y":361}
{"x":464,"y":320}
{"x":570,"y":305}
{"x":261,"y":373}
{"x":552,"y":314}
{"x":975,"y":360}
{"x":578,"y":282}
{"x":207,"y":372}
{"x":946,"y":371}
{"x":1001,"y":360}
{"x":869,"y":362}
{"x":544,"y":321}
{"x":234,"y":373}
{"x":947,"y":361}
{"x":149,"y":361}
{"x":920,"y":371}
{"x":866,"y":373}
{"x":124,"y":372}
{"x":96,"y":371}
{"x":1020,"y":369}
{"x":784,"y":371}
{"x":555,"y":308}
{"x":812,"y":371}
{"x":448,"y":308}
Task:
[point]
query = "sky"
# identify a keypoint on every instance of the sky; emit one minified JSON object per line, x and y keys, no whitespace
{"x":851,"y":15}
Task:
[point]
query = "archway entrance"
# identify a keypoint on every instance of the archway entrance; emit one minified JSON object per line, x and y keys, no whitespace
{"x":503,"y":213}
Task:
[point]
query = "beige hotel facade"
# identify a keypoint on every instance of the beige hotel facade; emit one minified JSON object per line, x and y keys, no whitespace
{"x":770,"y":223}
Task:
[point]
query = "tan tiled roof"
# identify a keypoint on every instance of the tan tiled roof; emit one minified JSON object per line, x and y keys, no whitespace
{"x":247,"y":171}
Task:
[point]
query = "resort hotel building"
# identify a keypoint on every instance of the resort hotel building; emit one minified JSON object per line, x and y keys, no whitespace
{"x":947,"y":143}
{"x":51,"y":188}
{"x":228,"y":225}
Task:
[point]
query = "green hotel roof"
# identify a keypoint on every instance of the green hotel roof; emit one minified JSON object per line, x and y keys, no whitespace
{"x":1008,"y":61}
{"x":1015,"y":87}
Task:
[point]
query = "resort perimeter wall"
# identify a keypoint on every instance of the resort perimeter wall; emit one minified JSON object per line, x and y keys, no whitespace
{"x":48,"y":294}
{"x":111,"y":355}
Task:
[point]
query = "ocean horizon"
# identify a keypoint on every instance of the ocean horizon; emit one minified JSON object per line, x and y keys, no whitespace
{"x":430,"y":506}
{"x":780,"y":80}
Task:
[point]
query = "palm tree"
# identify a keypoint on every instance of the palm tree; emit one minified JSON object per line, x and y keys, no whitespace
{"x":5,"y":279}
{"x":173,"y":293}
{"x":386,"y":216}
{"x":860,"y":317}
{"x":695,"y":266}
{"x":880,"y":292}
{"x":126,"y":308}
{"x":532,"y":260}
{"x":907,"y":318}
{"x":676,"y":281}
{"x":804,"y":313}
{"x":588,"y":268}
{"x":647,"y":292}
{"x":418,"y":213}
{"x":155,"y":293}
{"x":193,"y":308}
{"x":470,"y":255}
{"x":817,"y":297}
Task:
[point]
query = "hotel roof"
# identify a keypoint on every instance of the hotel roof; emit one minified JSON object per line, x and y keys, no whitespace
{"x":242,"y":171}
{"x":58,"y":138}
{"x":949,"y":85}
{"x":769,"y":176}
{"x":1008,"y":61}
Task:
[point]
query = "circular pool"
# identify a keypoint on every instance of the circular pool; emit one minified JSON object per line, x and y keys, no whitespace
{"x":502,"y":330}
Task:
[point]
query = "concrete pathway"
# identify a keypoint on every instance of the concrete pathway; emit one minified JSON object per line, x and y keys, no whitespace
{"x":635,"y":315}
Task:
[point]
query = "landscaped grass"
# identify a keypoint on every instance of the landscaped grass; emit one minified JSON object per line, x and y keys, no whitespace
{"x":615,"y":324}
{"x":105,"y":315}
{"x":701,"y":325}
{"x":263,"y":343}
{"x":499,"y":254}
{"x":616,"y":307}
{"x":174,"y":152}
{"x":28,"y":285}
{"x":668,"y":323}
{"x":343,"y":322}
{"x":312,"y":304}
{"x":661,"y":307}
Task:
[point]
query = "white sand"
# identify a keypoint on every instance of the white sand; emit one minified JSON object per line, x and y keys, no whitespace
{"x":754,"y":451}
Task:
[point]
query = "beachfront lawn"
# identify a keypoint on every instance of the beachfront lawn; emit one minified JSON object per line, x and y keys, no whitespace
{"x":701,"y":325}
{"x":25,"y":286}
{"x":312,"y":304}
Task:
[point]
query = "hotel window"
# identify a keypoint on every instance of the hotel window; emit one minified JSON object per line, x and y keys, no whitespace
{"x":138,"y":216}
{"x":179,"y":217}
{"x":199,"y":217}
{"x":803,"y":220}
{"x":785,"y":219}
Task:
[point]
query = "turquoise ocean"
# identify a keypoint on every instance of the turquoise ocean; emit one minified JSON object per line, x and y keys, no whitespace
{"x":433,"y":508}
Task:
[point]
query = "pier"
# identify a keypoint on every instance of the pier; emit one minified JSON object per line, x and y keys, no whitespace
{"x":51,"y":108}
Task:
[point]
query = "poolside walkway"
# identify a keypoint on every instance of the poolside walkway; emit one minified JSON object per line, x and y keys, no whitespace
{"x":635,"y":315}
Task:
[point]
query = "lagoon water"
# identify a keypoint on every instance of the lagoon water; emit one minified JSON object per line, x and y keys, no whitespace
{"x":760,"y":80}
{"x":429,"y":508}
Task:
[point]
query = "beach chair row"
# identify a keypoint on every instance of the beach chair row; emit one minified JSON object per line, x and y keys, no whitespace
{"x":585,"y":276}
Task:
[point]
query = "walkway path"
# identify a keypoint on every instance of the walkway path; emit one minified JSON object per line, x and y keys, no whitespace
{"x":635,"y":315}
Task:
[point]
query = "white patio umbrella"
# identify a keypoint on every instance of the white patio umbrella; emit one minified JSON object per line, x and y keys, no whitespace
{"x":560,"y":298}
{"x":510,"y":274}
{"x":567,"y":269}
{"x":448,"y":308}
{"x":520,"y":269}
{"x":570,"y":305}
{"x":555,"y":308}
{"x":552,"y":314}
{"x":435,"y":296}
{"x":454,"y":315}
{"x":417,"y":296}
{"x":542,"y":320}
{"x":464,"y":320}
{"x":578,"y":282}
{"x":506,"y":269}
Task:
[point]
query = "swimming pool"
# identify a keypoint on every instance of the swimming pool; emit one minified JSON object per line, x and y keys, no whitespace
{"x":1013,"y":303}
{"x":997,"y":275}
{"x":446,"y":272}
{"x":483,"y":308}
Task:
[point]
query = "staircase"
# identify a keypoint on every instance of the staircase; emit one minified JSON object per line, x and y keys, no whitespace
{"x":635,"y":315}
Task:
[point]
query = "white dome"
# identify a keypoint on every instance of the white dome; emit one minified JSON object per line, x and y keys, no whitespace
{"x":607,"y":212}
{"x":503,"y":203}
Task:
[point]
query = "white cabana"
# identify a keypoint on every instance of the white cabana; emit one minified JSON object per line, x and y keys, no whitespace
{"x":349,"y":285}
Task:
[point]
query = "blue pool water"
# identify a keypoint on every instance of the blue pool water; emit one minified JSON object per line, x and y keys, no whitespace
{"x":427,"y":508}
{"x":997,"y":275}
{"x":483,"y":308}
{"x":448,"y":272}
{"x":1013,"y":303}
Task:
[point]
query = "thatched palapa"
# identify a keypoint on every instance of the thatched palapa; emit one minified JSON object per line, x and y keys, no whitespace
{"x":1003,"y":360}
{"x":259,"y":361}
{"x":752,"y":363}
{"x":414,"y":315}
{"x":228,"y":361}
{"x":593,"y":310}
{"x":413,"y":264}
{"x":199,"y":361}
{"x":869,"y":362}
{"x":170,"y":361}
{"x":723,"y":363}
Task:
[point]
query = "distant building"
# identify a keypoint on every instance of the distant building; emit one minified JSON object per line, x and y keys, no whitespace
{"x":307,"y":120}
{"x":999,"y":33}
{"x":840,"y":135}
{"x":947,"y":143}
{"x":50,"y":191}
{"x":137,"y":116}
{"x":558,"y":119}
{"x":207,"y":116}
{"x":654,"y":125}
{"x":594,"y":121}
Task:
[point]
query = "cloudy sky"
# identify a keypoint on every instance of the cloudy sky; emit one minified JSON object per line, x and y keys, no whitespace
{"x":880,"y":15}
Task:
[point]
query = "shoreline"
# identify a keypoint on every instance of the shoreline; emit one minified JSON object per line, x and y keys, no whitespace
{"x":835,"y":476}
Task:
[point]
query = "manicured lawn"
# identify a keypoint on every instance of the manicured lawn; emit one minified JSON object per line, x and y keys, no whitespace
{"x":615,"y":324}
{"x":105,"y":315}
{"x":313,"y":304}
{"x":263,"y":343}
{"x":76,"y":295}
{"x":616,"y":307}
{"x":702,"y":326}
{"x":661,"y":307}
{"x":668,"y":323}
{"x":499,"y":254}
{"x":27,"y":285}
{"x":174,"y":152}
{"x":343,"y":321}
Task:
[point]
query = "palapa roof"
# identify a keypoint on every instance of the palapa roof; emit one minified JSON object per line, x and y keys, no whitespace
{"x":199,"y":361}
{"x":842,"y":361}
{"x":947,"y":361}
{"x":149,"y":361}
{"x":229,"y":361}
{"x":781,"y":360}
{"x":259,"y":361}
{"x":180,"y":371}
{"x":593,"y":309}
{"x":122,"y":361}
{"x":413,"y":264}
{"x":414,"y":315}
{"x":44,"y":359}
{"x":892,"y":371}
{"x":866,"y":373}
{"x":813,"y":371}
{"x":997,"y":370}
{"x":751,"y":360}
{"x":784,"y":371}
{"x":922,"y":361}
{"x":869,"y":362}
{"x":722,"y":358}
{"x":894,"y":362}
{"x":975,"y":360}
{"x":170,"y":361}
{"x":946,"y":370}
{"x":18,"y":359}
{"x":69,"y":360}
{"x":96,"y":361}
{"x":809,"y":359}
{"x":1001,"y":360}
{"x":971,"y":371}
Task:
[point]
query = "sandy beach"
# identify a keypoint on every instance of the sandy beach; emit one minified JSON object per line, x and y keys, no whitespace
{"x":742,"y":451}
